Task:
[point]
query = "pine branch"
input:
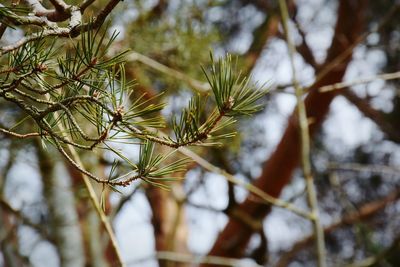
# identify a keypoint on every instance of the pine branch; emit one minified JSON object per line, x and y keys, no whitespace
{"x":86,"y":87}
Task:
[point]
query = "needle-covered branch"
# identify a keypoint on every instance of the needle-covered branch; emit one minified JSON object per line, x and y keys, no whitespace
{"x":86,"y":91}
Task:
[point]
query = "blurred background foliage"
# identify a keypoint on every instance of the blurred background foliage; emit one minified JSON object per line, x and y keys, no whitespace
{"x":46,"y":218}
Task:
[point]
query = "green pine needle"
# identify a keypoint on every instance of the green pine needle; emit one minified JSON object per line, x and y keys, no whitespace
{"x":234,"y":94}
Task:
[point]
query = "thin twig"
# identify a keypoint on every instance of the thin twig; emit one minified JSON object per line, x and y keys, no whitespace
{"x":356,"y":167}
{"x":342,"y":85}
{"x":95,"y":201}
{"x":305,"y":144}
{"x":18,"y":135}
{"x":339,"y":59}
{"x":193,"y":259}
{"x":253,"y":189}
{"x":60,"y":32}
{"x":193,"y":83}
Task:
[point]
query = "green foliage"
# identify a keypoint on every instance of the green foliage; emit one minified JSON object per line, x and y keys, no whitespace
{"x":234,"y":94}
{"x":188,"y":126}
{"x":182,"y":46}
{"x":12,"y":15}
{"x":151,"y":168}
{"x":83,"y":99}
{"x":191,"y":130}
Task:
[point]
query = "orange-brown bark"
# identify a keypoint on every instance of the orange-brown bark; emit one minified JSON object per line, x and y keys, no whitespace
{"x":157,"y":199}
{"x":170,"y":232}
{"x":278,"y":170}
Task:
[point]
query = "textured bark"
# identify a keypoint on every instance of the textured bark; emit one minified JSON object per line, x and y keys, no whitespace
{"x":62,"y":212}
{"x":278,"y":170}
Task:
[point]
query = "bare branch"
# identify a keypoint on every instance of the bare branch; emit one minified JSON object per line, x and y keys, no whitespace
{"x":343,"y":85}
{"x":61,"y":32}
{"x":355,"y":167}
{"x":195,"y":84}
{"x":253,"y":189}
{"x":188,"y":258}
{"x":305,"y":145}
{"x":18,"y":135}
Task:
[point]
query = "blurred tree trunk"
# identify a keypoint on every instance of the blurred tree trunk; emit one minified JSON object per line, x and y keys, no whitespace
{"x":61,"y":209}
{"x":278,"y":170}
{"x":95,"y":241}
{"x":98,"y":250}
{"x":168,"y":220}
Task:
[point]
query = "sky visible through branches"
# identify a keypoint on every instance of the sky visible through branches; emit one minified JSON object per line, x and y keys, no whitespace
{"x":163,"y":183}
